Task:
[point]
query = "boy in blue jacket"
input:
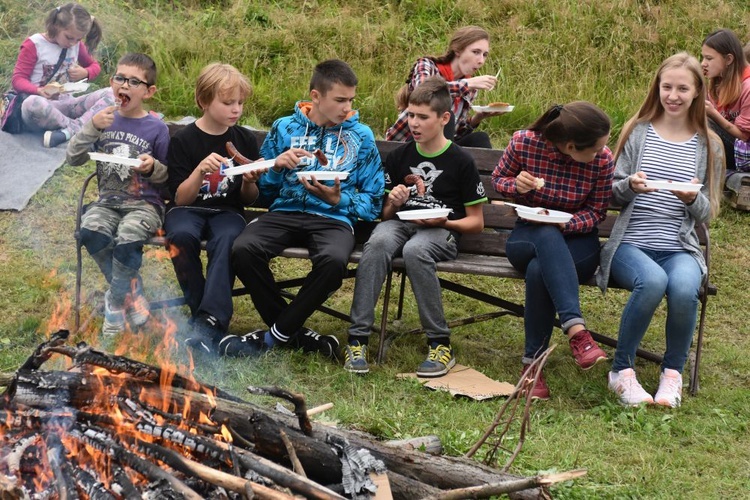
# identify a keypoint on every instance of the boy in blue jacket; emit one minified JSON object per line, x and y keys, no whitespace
{"x":307,"y":211}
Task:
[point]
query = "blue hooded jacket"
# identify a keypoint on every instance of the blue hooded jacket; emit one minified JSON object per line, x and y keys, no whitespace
{"x":350,"y":147}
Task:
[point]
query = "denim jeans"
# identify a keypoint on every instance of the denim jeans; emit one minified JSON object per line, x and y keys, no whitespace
{"x":649,"y":275}
{"x":554,"y":265}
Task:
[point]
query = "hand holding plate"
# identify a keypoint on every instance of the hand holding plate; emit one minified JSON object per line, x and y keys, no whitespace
{"x":329,"y":194}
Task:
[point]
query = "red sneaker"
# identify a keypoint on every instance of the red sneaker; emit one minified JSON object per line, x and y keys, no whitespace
{"x":585,"y":351}
{"x":540,"y":390}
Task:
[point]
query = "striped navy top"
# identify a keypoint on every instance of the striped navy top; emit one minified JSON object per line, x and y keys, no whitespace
{"x":657,"y":216}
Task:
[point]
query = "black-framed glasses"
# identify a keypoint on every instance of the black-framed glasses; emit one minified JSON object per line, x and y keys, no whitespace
{"x":133,"y":82}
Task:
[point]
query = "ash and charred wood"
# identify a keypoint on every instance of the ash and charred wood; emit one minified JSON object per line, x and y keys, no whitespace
{"x":10,"y":489}
{"x":322,"y":465}
{"x":61,"y":468}
{"x":119,"y":454}
{"x":296,"y":464}
{"x":490,"y":490}
{"x":13,"y":458}
{"x":177,"y":418}
{"x":122,"y":484}
{"x":40,"y":355}
{"x":210,"y":475}
{"x":284,"y":477}
{"x":298,"y":400}
{"x":83,"y":354}
{"x":94,"y":489}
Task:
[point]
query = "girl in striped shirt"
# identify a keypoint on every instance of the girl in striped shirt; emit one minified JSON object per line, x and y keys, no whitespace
{"x":653,"y":249}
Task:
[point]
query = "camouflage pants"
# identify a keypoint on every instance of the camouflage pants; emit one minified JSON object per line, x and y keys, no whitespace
{"x":114,"y":237}
{"x":68,"y":112}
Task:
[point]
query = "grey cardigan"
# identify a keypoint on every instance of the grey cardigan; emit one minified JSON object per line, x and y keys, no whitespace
{"x":629,"y":163}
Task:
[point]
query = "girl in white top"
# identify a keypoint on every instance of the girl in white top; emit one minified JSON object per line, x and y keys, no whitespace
{"x":653,"y":249}
{"x":38,"y":74}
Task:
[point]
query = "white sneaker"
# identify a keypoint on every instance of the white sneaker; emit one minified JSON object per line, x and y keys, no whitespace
{"x":670,"y":388}
{"x":626,"y":386}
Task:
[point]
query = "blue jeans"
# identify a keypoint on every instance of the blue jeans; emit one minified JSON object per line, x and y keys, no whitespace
{"x":649,"y":275}
{"x":554,"y":265}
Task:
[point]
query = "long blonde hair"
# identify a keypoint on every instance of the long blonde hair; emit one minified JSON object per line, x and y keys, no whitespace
{"x":652,"y":109}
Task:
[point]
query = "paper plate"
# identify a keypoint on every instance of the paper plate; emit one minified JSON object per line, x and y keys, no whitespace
{"x":426,"y":213}
{"x":673,"y":185}
{"x":488,"y":109}
{"x":553,"y":217}
{"x":122,"y":160}
{"x":76,"y":87}
{"x":322,"y":175}
{"x":241,"y":169}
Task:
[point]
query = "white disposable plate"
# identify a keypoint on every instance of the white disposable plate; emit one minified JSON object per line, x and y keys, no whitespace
{"x":425,"y":213}
{"x":322,"y":175}
{"x":673,"y":185}
{"x":122,"y":160}
{"x":76,"y":87}
{"x":532,"y":214}
{"x":241,"y":169}
{"x":488,"y":109}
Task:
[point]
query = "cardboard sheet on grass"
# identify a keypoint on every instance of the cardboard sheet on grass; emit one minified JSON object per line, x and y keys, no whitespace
{"x":465,"y":381}
{"x":25,"y":165}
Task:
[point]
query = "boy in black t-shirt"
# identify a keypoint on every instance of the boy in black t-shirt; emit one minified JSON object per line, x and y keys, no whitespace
{"x":428,"y":174}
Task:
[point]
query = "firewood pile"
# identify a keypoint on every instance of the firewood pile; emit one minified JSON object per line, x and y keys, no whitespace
{"x":109,"y":427}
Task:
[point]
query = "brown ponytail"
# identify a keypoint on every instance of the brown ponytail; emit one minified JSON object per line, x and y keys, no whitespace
{"x":579,"y":122}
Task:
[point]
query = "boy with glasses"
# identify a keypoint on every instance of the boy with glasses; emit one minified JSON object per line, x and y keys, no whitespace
{"x":130,"y":208}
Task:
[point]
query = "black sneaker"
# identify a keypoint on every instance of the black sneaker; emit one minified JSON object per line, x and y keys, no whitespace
{"x":439,"y":361}
{"x":310,"y":341}
{"x":204,"y":334}
{"x":355,"y":358}
{"x":240,"y":346}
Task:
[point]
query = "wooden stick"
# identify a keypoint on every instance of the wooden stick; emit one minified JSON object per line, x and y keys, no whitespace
{"x":489,"y":490}
{"x":319,"y":409}
{"x":296,"y":464}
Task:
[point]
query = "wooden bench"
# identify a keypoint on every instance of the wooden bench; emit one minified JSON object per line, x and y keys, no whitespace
{"x":480,"y":254}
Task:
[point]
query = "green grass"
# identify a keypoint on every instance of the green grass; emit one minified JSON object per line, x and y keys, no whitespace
{"x":550,"y":50}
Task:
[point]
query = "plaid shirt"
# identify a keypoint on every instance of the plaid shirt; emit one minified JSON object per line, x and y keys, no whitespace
{"x":583,"y":189}
{"x":462,"y":96}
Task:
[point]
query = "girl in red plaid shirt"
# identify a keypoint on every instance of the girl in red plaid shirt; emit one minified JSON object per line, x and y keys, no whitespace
{"x":561,"y":162}
{"x":467,"y":53}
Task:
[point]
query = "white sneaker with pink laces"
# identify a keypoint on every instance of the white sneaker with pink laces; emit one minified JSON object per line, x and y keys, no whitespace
{"x":627,"y":387}
{"x":670,"y":388}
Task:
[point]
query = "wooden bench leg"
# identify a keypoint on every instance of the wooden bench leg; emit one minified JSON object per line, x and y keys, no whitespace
{"x":384,"y":319}
{"x":79,"y":271}
{"x":400,"y":311}
{"x":694,"y":382}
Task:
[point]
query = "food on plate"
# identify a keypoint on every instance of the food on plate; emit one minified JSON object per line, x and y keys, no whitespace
{"x":539,"y":182}
{"x":236,"y":156}
{"x":53,"y":88}
{"x":321,"y":157}
{"x":498,"y":104}
{"x":415,"y":180}
{"x":543,"y":211}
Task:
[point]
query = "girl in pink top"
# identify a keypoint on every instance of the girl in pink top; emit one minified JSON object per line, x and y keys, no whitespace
{"x":60,"y":114}
{"x":728,"y":104}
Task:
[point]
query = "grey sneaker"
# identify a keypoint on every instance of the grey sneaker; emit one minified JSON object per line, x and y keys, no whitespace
{"x":355,"y":358}
{"x":114,"y":317}
{"x":439,"y":361}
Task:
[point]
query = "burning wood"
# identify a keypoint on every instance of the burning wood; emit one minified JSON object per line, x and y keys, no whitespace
{"x":111,"y":428}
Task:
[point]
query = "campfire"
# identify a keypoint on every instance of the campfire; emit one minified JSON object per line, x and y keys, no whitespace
{"x":109,"y":427}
